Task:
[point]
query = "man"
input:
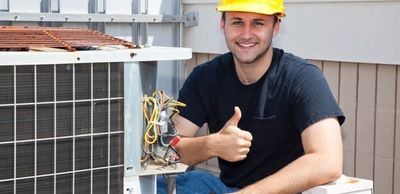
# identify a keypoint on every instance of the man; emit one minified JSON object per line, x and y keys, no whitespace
{"x":274,"y":124}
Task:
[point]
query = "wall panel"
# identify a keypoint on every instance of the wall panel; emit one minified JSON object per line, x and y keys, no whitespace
{"x":317,"y":63}
{"x":70,"y":6}
{"x":118,"y":6}
{"x":189,"y":65}
{"x":23,"y":6}
{"x":365,"y":130}
{"x":202,"y":58}
{"x":331,"y":72}
{"x":348,"y":100}
{"x":384,"y":131}
{"x":396,"y":179}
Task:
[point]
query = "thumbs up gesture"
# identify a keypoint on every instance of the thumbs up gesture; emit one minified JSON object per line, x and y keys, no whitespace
{"x":233,"y":144}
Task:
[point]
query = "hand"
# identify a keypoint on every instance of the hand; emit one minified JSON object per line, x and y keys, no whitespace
{"x":233,"y":144}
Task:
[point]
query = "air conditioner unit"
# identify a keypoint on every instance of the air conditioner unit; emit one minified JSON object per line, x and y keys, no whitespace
{"x":344,"y":185}
{"x":72,"y":121}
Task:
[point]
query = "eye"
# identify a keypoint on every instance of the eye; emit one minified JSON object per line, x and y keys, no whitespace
{"x":237,"y":23}
{"x":257,"y":23}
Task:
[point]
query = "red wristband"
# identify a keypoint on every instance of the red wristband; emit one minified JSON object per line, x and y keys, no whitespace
{"x":174,"y":141}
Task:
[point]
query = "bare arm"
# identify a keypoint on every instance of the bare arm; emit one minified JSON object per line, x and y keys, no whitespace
{"x":321,"y":163}
{"x":188,"y":145}
{"x":230,"y":143}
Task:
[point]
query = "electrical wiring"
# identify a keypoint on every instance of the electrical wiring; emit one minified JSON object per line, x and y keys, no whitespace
{"x":158,"y":111}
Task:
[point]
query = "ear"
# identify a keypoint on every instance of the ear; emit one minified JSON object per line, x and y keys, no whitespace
{"x":276,"y":29}
{"x":222,"y":25}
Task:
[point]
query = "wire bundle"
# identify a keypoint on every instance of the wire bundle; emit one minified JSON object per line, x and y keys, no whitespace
{"x":158,"y":111}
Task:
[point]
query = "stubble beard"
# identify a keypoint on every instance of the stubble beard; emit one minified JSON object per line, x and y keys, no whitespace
{"x":238,"y":58}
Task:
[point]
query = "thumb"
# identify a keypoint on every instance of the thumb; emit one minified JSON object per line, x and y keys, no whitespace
{"x":234,"y":120}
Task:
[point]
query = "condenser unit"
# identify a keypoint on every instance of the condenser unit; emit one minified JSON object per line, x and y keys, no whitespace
{"x":72,"y":122}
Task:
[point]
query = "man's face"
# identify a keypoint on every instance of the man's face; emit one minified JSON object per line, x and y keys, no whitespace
{"x":248,"y":35}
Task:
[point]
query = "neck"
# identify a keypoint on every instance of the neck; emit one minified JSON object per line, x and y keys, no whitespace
{"x":249,"y":73}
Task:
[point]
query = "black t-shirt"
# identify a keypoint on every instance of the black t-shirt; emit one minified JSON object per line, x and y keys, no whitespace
{"x":289,"y":97}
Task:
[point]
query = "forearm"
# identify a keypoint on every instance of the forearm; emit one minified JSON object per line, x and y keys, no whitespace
{"x":307,"y":171}
{"x":321,"y":163}
{"x":194,"y":150}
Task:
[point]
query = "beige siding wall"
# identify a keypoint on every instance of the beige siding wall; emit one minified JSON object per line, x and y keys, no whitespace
{"x":367,"y":93}
{"x":355,"y":30}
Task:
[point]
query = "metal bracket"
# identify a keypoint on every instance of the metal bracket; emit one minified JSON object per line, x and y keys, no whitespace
{"x":191,"y":19}
{"x":93,"y":18}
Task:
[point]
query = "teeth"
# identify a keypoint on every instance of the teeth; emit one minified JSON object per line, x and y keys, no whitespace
{"x":247,"y":45}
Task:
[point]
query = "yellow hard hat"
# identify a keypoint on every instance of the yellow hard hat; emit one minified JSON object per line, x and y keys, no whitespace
{"x":267,"y":7}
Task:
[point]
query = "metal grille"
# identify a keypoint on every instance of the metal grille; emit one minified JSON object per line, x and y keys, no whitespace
{"x":16,"y":38}
{"x":61,"y":128}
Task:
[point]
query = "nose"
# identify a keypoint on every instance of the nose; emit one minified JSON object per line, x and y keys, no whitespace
{"x":247,"y":31}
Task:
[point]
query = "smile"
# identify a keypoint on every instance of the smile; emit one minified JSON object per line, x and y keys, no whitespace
{"x":246,"y":45}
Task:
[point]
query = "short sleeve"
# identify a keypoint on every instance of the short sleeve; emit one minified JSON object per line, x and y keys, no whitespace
{"x":313,"y":99}
{"x":190,"y":95}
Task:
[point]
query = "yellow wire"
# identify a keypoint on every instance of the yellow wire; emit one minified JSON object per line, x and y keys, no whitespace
{"x":151,"y":133}
{"x":152,"y":107}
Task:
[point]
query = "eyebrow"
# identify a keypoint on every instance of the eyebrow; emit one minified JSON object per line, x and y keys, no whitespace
{"x":259,"y":20}
{"x":236,"y":18}
{"x":256,"y":19}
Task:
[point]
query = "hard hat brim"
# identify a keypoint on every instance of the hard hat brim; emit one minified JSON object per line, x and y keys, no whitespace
{"x":251,"y":9}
